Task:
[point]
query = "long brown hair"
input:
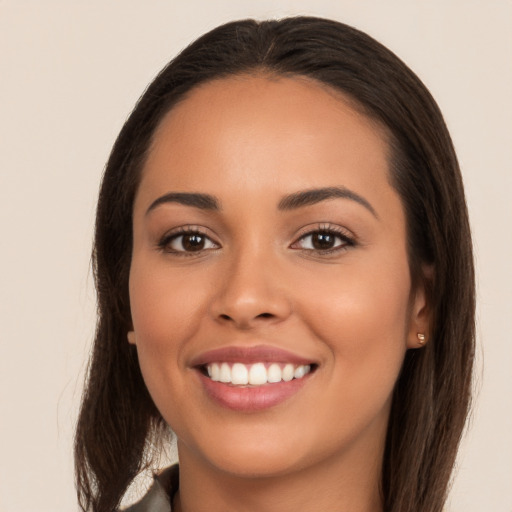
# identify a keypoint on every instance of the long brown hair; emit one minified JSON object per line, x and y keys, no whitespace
{"x":119,"y":424}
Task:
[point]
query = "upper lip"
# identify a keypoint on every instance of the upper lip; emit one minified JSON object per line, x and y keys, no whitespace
{"x":249,"y":355}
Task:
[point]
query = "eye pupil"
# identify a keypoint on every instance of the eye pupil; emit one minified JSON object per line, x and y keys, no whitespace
{"x":323,"y":240}
{"x":193,"y":242}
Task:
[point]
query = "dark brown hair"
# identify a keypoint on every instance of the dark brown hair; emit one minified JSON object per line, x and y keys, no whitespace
{"x":119,"y":424}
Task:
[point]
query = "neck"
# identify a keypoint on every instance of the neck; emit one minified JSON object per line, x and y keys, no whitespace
{"x":347,"y":482}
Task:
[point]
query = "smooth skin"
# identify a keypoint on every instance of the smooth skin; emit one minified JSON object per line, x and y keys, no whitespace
{"x":328,"y":281}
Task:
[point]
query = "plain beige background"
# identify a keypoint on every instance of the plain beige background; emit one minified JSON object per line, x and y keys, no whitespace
{"x":71,"y":72}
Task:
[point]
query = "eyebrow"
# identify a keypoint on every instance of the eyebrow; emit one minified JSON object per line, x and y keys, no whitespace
{"x":316,"y":195}
{"x":195,"y":199}
{"x":289,"y":202}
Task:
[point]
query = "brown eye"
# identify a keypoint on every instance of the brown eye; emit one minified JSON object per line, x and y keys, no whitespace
{"x":192,"y":242}
{"x":187,"y":242}
{"x":323,"y":241}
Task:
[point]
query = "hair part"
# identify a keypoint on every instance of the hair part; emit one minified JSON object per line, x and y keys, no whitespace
{"x":432,"y":395}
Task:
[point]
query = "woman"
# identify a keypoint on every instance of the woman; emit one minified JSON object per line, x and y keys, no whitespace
{"x":285,"y":279}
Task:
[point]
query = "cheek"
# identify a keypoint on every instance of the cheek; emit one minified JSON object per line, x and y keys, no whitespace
{"x":362,"y":317}
{"x":354,"y":316}
{"x":166,"y":312}
{"x":166,"y":306}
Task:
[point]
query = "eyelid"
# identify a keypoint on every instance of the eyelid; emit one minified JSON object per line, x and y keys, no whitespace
{"x":346,"y":236}
{"x":164,"y":241}
{"x":343,"y":234}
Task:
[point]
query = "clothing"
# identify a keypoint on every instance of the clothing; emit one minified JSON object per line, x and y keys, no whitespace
{"x":160,"y":495}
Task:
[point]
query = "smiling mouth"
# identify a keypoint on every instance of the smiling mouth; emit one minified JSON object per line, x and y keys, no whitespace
{"x":256,"y":374}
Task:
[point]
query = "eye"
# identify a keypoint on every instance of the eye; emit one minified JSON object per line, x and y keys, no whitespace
{"x":324,"y":240}
{"x":189,"y":241}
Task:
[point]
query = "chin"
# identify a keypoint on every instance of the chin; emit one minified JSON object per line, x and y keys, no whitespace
{"x":257,"y":464}
{"x":245,"y":452}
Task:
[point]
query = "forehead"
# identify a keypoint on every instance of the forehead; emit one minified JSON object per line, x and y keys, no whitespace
{"x":269,"y":133}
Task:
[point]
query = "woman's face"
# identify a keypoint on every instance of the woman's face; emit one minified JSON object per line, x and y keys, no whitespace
{"x":269,"y":246}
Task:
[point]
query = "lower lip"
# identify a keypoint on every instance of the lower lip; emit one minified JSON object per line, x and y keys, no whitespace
{"x":249,"y":399}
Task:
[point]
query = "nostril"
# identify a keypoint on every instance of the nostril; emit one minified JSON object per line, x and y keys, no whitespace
{"x":261,"y":315}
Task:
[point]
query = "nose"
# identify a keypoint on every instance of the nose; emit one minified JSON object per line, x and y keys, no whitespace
{"x":252,"y":293}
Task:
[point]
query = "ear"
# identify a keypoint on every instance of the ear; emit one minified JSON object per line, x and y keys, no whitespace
{"x":420,"y":314}
{"x":131,"y":337}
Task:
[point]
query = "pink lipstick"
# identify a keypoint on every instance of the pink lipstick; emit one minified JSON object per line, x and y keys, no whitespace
{"x":251,"y":379}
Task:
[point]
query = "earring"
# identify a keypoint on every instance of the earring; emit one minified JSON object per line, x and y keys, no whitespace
{"x":421,"y":338}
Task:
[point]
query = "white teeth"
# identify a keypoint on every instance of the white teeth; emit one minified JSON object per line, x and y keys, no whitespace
{"x":274,"y":373}
{"x":239,"y":374}
{"x":300,"y":371}
{"x":214,"y":371}
{"x":256,"y":374}
{"x":288,"y":372}
{"x":225,"y":373}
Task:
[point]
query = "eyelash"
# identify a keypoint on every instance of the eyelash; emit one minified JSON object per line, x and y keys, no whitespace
{"x":347,"y":241}
{"x":168,"y":238}
{"x":324,"y":229}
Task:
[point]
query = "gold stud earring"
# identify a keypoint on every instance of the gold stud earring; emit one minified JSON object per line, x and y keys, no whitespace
{"x":421,"y":338}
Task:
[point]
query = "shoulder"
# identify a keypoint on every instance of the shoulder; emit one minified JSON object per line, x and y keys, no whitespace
{"x":159,"y":496}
